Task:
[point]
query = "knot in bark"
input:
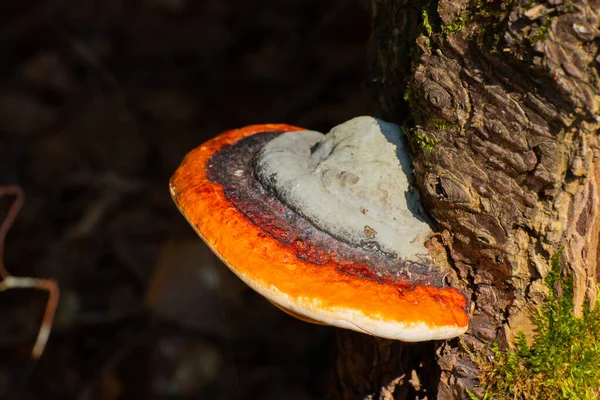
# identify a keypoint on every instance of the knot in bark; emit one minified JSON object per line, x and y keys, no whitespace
{"x":447,"y":188}
{"x":436,"y":95}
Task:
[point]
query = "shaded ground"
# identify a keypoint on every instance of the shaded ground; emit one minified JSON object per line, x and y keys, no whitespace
{"x":99,"y":102}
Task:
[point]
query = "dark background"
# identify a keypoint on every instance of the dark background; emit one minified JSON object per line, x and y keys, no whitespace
{"x":99,"y":102}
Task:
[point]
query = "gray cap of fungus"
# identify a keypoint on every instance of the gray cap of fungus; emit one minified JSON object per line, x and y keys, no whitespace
{"x":353,"y":183}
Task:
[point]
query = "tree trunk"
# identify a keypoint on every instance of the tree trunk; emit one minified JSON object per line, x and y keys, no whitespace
{"x":501,"y":101}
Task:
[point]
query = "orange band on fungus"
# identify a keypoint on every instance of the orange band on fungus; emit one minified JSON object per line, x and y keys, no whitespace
{"x":268,"y":265}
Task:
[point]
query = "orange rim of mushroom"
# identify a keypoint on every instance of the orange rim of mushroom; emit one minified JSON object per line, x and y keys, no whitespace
{"x":310,"y":291}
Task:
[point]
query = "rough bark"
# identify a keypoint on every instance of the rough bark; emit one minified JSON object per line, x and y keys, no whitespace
{"x":502,"y":104}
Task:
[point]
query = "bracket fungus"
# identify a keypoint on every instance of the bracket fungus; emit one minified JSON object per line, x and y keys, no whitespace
{"x":326,"y":227}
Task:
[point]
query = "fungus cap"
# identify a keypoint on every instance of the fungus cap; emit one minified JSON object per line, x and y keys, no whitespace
{"x":261,"y":198}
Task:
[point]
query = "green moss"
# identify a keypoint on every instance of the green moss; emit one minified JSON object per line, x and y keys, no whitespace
{"x":489,"y":14}
{"x":426,"y":24}
{"x":424,"y":142}
{"x":456,"y":25}
{"x":441,"y":124}
{"x":541,"y":33}
{"x":570,"y":7}
{"x":427,"y":27}
{"x":563,"y":362}
{"x":497,"y":11}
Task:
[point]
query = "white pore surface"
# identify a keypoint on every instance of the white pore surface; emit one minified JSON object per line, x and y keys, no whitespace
{"x":357,"y":320}
{"x":353,"y":183}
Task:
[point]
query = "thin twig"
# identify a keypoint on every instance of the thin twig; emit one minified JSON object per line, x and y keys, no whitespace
{"x":11,"y":282}
{"x":13,"y":211}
